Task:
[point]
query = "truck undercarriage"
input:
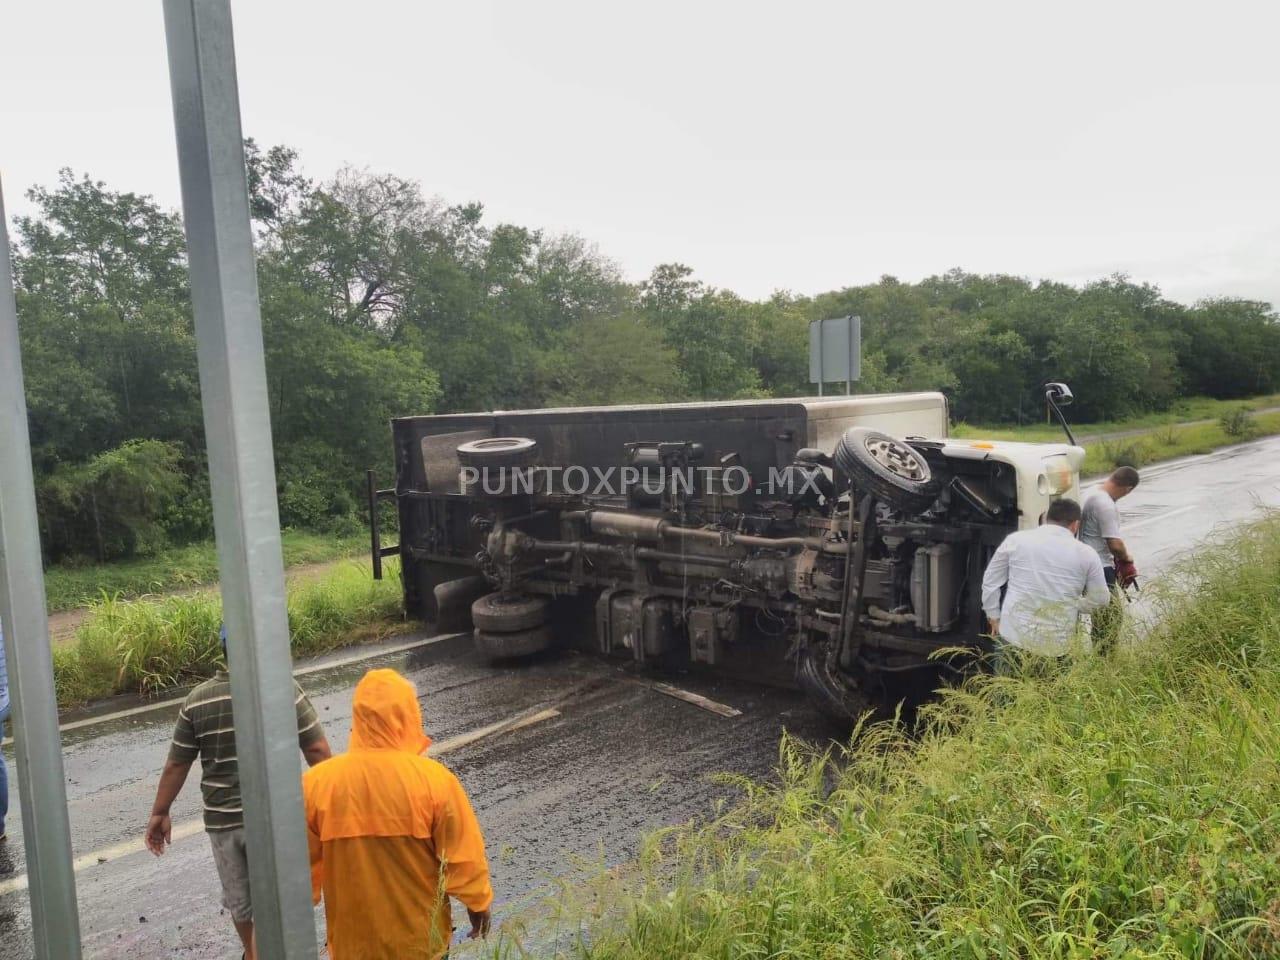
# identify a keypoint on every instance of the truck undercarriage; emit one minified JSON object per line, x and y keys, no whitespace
{"x":719,"y":540}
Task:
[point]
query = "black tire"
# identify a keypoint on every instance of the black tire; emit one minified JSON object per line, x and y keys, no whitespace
{"x":519,"y":643}
{"x":498,"y":452}
{"x":505,"y":613}
{"x":889,"y":469}
{"x":452,"y":600}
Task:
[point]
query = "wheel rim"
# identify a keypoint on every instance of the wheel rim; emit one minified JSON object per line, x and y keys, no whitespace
{"x":898,"y":458}
{"x":497,"y":444}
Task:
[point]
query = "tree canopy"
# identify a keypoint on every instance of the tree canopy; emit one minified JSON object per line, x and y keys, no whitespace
{"x":379,"y":301}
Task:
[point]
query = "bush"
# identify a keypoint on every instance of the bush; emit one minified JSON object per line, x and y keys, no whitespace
{"x":1126,"y":452}
{"x":1238,"y":424}
{"x":315,"y":488}
{"x":114,"y":505}
{"x":190,"y":518}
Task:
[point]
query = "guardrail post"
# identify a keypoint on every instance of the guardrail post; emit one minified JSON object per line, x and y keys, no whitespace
{"x":233,"y":388}
{"x":46,"y":828}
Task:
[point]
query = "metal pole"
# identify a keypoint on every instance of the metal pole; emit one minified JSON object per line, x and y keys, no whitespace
{"x":46,"y":830}
{"x":375,"y":538}
{"x":822,"y":357}
{"x":233,"y":387}
{"x":849,"y":345}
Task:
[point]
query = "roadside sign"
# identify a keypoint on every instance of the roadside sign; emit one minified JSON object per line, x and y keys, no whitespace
{"x":835,"y":351}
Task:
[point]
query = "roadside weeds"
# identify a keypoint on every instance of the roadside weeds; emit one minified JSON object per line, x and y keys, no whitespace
{"x":1126,"y":808}
{"x":1171,"y":442}
{"x":180,"y":568}
{"x":147,"y":646}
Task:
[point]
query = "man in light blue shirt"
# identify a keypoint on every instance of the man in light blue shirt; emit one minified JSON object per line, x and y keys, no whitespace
{"x":4,"y":715}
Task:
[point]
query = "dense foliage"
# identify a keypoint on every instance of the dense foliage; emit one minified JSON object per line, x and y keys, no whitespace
{"x":379,"y":301}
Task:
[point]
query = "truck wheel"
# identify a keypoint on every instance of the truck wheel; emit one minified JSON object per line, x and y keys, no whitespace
{"x":498,"y":452}
{"x":834,"y":696}
{"x":887,"y":468}
{"x":507,"y":612}
{"x":519,"y":643}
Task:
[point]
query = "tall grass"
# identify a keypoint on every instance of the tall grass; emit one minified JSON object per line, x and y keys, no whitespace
{"x":1126,"y":808}
{"x":70,"y":586}
{"x":1170,"y":441}
{"x":146,"y":646}
{"x":1183,"y":411}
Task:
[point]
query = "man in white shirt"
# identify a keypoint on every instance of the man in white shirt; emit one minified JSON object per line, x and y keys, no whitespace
{"x":1049,"y":578}
{"x":1100,"y":531}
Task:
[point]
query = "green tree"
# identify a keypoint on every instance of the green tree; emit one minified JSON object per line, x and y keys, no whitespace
{"x":380,"y":301}
{"x":114,"y":504}
{"x":615,"y":359}
{"x":991,"y":372}
{"x":782,"y":346}
{"x":1230,"y":348}
{"x":713,"y":332}
{"x":105,"y":322}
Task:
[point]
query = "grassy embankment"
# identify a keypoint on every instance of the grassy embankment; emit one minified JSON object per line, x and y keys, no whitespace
{"x":179,"y":568}
{"x":1128,"y":808}
{"x":145,"y":646}
{"x":1162,"y":437}
{"x":1169,"y":442}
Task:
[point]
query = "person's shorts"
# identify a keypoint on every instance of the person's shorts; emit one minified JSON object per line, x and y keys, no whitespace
{"x":233,"y":870}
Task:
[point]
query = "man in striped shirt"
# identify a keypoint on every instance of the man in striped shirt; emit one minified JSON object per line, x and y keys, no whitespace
{"x":206,"y":729}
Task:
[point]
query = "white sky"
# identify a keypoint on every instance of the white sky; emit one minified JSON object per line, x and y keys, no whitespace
{"x":799,"y":146}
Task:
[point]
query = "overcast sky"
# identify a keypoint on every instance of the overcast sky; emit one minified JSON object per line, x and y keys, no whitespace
{"x":782,"y":145}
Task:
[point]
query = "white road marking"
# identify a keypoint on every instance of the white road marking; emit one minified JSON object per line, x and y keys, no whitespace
{"x":1159,"y":517}
{"x":300,"y":672}
{"x":721,"y":709}
{"x":192,"y":827}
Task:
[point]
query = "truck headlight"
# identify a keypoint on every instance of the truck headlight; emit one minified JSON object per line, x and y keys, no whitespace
{"x":1055,"y":477}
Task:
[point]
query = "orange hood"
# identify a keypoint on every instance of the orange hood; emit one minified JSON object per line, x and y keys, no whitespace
{"x":386,"y":716}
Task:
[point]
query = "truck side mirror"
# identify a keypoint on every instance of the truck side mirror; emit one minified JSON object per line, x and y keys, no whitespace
{"x":1058,"y":393}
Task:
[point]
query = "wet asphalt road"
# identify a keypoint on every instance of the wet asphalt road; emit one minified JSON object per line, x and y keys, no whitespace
{"x":1181,"y":504}
{"x":620,"y":758}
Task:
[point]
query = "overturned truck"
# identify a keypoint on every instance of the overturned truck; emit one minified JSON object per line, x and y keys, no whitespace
{"x":839,"y":542}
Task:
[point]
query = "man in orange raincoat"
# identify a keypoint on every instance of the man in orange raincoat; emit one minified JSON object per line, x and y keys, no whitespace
{"x":392,"y":835}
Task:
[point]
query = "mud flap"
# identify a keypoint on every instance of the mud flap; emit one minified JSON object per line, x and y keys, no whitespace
{"x":453,"y":600}
{"x":834,"y":695}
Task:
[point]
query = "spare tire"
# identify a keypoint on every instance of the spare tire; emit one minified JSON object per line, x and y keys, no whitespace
{"x":505,"y":612}
{"x":521,"y":643}
{"x":498,"y":452}
{"x":889,"y":469}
